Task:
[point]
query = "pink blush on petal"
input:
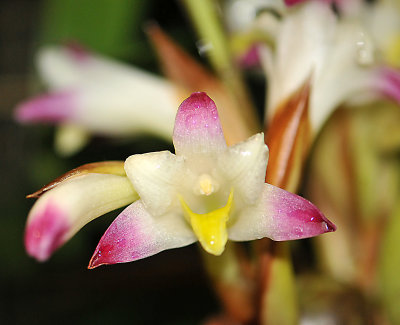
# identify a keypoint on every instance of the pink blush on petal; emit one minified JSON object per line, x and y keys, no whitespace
{"x":197,"y":126}
{"x":46,"y":232}
{"x":49,"y":108}
{"x":198,"y":112}
{"x":136,"y":234}
{"x":124,"y":241}
{"x":311,"y":223}
{"x":292,"y":217}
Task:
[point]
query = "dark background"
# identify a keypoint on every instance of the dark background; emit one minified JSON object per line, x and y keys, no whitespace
{"x":169,"y":288}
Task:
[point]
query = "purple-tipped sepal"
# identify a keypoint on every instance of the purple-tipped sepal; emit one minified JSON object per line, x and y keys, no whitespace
{"x":46,"y":232}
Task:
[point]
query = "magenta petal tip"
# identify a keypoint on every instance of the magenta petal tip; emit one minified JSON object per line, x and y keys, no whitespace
{"x":311,"y":222}
{"x":100,"y":256}
{"x":196,"y":109}
{"x":50,"y":108}
{"x":114,"y":249}
{"x":197,"y":126}
{"x":294,"y":217}
{"x":321,"y":221}
{"x":122,"y":242}
{"x":46,"y":232}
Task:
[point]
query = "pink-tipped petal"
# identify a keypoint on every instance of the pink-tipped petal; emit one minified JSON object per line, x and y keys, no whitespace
{"x":197,"y":127}
{"x":46,"y":232}
{"x":388,"y":83}
{"x":135,"y":234}
{"x":50,"y":108}
{"x":100,"y":95}
{"x":64,"y":209}
{"x":280,"y":215}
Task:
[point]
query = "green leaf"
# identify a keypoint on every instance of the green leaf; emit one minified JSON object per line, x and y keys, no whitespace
{"x":279,"y":303}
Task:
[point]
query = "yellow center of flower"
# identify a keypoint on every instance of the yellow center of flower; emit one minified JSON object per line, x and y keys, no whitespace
{"x":206,"y":185}
{"x":210,"y":228}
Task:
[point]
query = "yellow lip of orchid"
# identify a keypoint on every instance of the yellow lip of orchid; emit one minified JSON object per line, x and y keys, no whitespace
{"x":210,"y":228}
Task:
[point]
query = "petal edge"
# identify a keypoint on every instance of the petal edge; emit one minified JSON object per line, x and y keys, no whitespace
{"x":280,"y":215}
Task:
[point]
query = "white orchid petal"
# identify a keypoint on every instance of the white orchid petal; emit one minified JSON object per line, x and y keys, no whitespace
{"x":65,"y":66}
{"x":303,"y":43}
{"x":338,"y":54}
{"x":101,"y":95}
{"x":136,"y":234}
{"x":155,"y":177}
{"x":124,"y":109}
{"x":60,"y":212}
{"x":244,"y":166}
{"x":118,"y":109}
{"x":382,"y":18}
{"x":279,"y":215}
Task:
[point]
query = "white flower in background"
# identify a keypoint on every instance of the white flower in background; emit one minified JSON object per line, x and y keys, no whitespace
{"x":90,"y":94}
{"x":344,"y":55}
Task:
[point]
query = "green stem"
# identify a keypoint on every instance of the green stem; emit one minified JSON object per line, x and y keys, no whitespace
{"x":278,"y":299}
{"x":216,"y":46}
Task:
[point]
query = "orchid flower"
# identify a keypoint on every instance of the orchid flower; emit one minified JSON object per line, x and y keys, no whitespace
{"x":206,"y":191}
{"x":339,"y":54}
{"x":93,"y":94}
{"x":343,"y":56}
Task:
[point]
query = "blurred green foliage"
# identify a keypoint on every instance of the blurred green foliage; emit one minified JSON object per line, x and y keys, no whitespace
{"x":108,"y":27}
